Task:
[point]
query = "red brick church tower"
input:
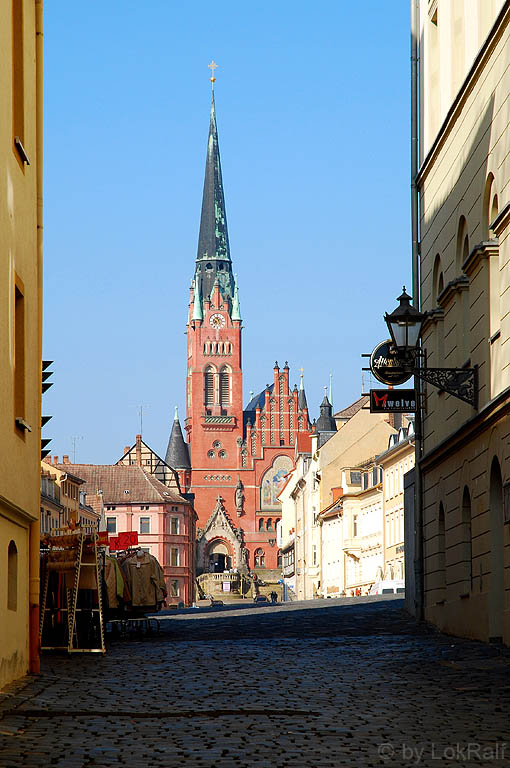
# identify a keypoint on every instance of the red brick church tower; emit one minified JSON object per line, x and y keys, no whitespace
{"x":235,"y":459}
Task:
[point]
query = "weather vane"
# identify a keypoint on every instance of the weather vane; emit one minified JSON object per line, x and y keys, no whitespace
{"x":212,"y":66}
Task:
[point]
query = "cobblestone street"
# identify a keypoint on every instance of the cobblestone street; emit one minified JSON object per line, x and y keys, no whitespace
{"x":322,"y":683}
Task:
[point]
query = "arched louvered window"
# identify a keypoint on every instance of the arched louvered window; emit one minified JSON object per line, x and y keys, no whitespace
{"x":209,"y":386}
{"x":224,"y":386}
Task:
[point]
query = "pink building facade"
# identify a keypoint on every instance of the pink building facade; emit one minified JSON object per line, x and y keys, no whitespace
{"x":133,"y":500}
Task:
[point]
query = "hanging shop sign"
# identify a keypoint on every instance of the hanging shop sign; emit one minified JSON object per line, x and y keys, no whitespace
{"x":388,"y":366}
{"x":124,"y":540}
{"x":393,"y":400}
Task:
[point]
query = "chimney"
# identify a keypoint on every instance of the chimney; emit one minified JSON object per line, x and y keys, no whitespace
{"x":126,"y":449}
{"x":65,"y":459}
{"x":138,"y":450}
{"x":55,"y":459}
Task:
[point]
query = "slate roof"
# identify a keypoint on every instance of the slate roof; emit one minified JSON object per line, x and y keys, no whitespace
{"x":351,"y":410}
{"x":325,"y":422}
{"x":258,"y":400}
{"x":114,"y":479}
{"x":177,"y":453}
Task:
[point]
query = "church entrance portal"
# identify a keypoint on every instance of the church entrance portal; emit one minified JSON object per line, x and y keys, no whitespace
{"x":218,"y":557}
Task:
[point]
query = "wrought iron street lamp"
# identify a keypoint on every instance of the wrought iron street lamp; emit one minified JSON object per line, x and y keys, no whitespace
{"x":405,"y":324}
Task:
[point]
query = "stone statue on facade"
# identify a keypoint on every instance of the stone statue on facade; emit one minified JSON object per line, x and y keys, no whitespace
{"x":239,"y":498}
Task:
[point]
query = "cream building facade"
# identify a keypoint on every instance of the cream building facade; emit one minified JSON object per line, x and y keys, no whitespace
{"x":350,"y":518}
{"x":395,"y":463}
{"x":300,"y":532}
{"x":20,"y":333}
{"x":464,"y":216}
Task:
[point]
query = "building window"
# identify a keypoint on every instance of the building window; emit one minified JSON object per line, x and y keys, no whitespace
{"x":261,"y":524}
{"x":314,"y":554}
{"x":441,"y":559}
{"x":467,"y":545}
{"x":18,"y":77}
{"x":111,"y":524}
{"x":224,"y":386}
{"x":148,"y":462}
{"x":354,"y":526}
{"x":174,"y":556}
{"x":209,"y":385}
{"x":12,"y":577}
{"x":211,"y":454}
{"x":19,"y":354}
{"x":174,"y":525}
{"x":269,"y":525}
{"x":279,"y":559}
{"x":260,"y":561}
{"x":222,"y":454}
{"x":174,"y":588}
{"x":145,"y":525}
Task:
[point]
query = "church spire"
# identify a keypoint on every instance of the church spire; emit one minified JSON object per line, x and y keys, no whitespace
{"x":213,"y":257}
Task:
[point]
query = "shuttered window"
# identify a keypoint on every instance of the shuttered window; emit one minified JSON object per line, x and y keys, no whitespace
{"x":209,"y":387}
{"x":224,"y":387}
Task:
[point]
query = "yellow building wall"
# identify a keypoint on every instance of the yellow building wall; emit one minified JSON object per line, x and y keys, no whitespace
{"x":20,"y":263}
{"x":463,"y":530}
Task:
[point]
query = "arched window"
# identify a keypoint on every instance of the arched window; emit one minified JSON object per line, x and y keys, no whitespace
{"x":12,"y":577}
{"x":279,"y":559}
{"x":462,"y":243}
{"x":261,"y":524}
{"x":224,"y":386}
{"x":441,"y":560}
{"x":490,"y":206}
{"x":497,"y":558}
{"x":269,"y":524}
{"x":467,"y":554}
{"x":260,"y":559}
{"x":437,"y":278}
{"x":209,"y":385}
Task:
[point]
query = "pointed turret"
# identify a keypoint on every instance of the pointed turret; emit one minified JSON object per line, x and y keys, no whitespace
{"x":177,"y":454}
{"x":236,"y":309}
{"x":326,"y":424}
{"x":197,"y":302}
{"x":302,"y":396}
{"x":213,"y":257}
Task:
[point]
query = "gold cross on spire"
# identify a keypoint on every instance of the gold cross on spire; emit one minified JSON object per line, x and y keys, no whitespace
{"x":212,"y":66}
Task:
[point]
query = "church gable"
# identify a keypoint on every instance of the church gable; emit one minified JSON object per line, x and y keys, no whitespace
{"x":219,"y":522}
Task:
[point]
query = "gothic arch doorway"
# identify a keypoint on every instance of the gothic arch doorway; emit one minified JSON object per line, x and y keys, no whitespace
{"x":218,"y":556}
{"x":496,"y":583}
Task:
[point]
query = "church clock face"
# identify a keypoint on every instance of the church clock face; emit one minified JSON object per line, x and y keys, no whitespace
{"x":217,"y":321}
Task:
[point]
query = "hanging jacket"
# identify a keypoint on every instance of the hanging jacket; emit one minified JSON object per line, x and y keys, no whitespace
{"x":144,"y":578}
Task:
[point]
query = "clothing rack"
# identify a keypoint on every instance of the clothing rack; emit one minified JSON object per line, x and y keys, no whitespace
{"x":71,"y":604}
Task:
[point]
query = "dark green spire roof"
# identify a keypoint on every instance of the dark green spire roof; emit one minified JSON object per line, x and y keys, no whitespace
{"x":213,"y":257}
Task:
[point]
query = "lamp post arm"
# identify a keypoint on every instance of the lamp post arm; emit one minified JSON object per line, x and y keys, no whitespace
{"x":459,"y":382}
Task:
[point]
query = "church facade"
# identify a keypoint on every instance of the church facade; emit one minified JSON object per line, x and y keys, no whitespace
{"x":233,"y":459}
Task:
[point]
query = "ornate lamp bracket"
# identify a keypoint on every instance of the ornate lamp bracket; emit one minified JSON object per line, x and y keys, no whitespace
{"x":459,"y":382}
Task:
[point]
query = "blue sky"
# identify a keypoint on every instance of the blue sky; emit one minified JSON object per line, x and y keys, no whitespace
{"x":312,"y":103}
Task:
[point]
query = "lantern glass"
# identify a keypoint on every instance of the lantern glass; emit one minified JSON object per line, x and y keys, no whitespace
{"x":404,"y":324}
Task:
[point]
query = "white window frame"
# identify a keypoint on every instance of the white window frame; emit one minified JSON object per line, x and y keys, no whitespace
{"x":144,"y":517}
{"x":109,"y":519}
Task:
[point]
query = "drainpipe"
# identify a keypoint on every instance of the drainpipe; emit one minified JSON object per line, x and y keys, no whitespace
{"x":418,"y":506}
{"x":35,"y":527}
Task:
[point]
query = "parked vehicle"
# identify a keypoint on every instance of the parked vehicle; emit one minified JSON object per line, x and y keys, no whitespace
{"x":388,"y":587}
{"x":260,"y":599}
